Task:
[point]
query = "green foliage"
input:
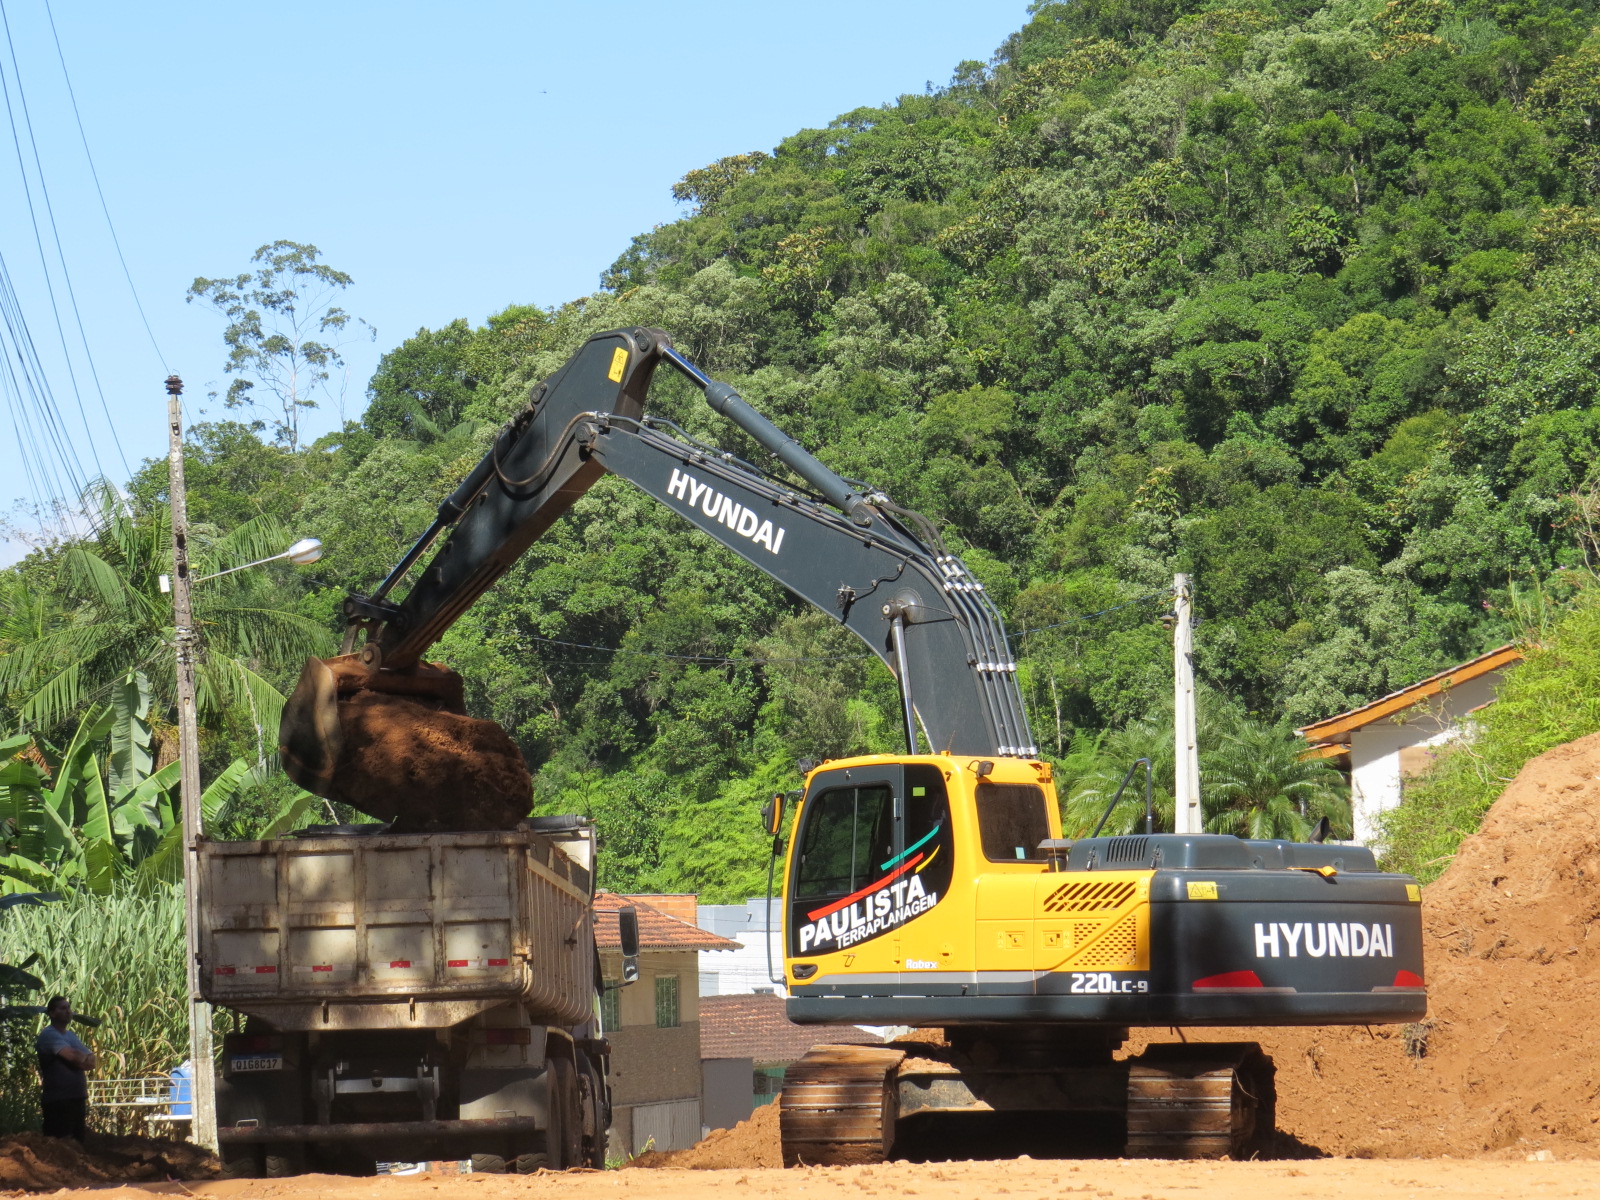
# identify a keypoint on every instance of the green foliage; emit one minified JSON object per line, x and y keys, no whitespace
{"x":103,"y":617}
{"x":1297,"y":298}
{"x":1551,"y":698}
{"x":118,"y":957}
{"x":1254,"y":781}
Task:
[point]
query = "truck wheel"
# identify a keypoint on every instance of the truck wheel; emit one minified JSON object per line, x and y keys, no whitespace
{"x":527,"y":1164}
{"x":594,"y":1122}
{"x":284,"y":1162}
{"x":241,"y":1162}
{"x":488,"y":1164}
{"x":564,"y":1140}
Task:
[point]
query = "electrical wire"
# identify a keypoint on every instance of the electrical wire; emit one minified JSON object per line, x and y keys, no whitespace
{"x":95,"y":175}
{"x":66,"y":275}
{"x":718,"y":659}
{"x":728,"y":660}
{"x":1156,"y":595}
{"x":45,"y":442}
{"x":33,"y":218}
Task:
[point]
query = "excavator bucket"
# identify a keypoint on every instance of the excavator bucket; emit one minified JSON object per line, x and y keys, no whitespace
{"x":309,"y":738}
{"x":398,"y":746}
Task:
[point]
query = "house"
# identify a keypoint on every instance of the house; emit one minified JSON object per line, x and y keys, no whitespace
{"x":654,"y":1024}
{"x":1386,"y":742}
{"x":746,"y":1043}
{"x":759,"y":956}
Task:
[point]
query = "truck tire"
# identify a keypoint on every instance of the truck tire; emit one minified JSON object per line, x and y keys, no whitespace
{"x":488,"y":1164}
{"x":592,"y":1105}
{"x":527,"y":1164}
{"x":240,"y":1162}
{"x":564,"y":1139}
{"x":284,"y":1161}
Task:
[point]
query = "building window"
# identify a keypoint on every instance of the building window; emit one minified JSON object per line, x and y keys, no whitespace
{"x":611,"y":1006}
{"x":666,"y":1001}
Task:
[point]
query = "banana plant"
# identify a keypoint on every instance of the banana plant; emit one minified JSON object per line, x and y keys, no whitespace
{"x":89,"y":820}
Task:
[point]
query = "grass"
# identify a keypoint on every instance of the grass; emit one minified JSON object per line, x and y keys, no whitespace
{"x":117,"y":957}
{"x":1551,"y":698}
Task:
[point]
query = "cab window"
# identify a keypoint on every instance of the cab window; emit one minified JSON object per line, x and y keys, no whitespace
{"x":1013,"y":818}
{"x":849,"y":831}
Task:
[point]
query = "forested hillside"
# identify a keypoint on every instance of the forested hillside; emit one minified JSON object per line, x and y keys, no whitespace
{"x":1300,"y":299}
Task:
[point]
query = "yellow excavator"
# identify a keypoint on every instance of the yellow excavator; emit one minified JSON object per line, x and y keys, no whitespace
{"x":932,"y":890}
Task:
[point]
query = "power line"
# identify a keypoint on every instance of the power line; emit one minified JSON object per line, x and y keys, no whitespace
{"x":95,"y":175}
{"x":718,"y":659}
{"x":1157,"y":595}
{"x":32,"y":391}
{"x":66,"y":274}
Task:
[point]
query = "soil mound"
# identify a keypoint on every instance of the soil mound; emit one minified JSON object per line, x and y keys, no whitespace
{"x":31,"y":1162}
{"x":428,"y":770}
{"x":750,"y":1143}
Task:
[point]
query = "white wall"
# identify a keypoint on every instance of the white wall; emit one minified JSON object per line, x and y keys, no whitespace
{"x":742,"y":971}
{"x":1375,"y":780}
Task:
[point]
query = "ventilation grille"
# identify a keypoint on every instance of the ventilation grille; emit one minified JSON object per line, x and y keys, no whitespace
{"x":1089,"y":896}
{"x":1127,"y":849}
{"x":1118,"y":948}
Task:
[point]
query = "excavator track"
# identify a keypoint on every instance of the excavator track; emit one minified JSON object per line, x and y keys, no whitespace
{"x":1200,"y":1100}
{"x":838,"y":1106}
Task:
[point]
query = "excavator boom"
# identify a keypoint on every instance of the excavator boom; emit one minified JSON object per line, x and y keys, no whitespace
{"x":880,"y":571}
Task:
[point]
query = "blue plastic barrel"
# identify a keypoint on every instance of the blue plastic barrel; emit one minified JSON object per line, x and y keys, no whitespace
{"x":181,"y":1095}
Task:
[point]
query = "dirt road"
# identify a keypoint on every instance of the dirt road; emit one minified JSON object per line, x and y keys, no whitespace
{"x":1114,"y":1179}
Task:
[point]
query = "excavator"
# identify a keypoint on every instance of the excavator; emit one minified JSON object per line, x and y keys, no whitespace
{"x":931,"y":889}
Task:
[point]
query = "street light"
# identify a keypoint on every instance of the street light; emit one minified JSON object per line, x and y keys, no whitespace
{"x":302,"y":554}
{"x":203,"y":1099}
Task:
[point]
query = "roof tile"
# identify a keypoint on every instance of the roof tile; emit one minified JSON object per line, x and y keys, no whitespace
{"x":657,"y":930}
{"x":755,"y":1027}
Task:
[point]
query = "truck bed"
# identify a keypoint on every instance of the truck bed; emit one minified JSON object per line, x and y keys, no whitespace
{"x":395,"y":931}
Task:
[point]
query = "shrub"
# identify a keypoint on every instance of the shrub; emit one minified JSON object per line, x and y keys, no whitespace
{"x":1551,"y":698}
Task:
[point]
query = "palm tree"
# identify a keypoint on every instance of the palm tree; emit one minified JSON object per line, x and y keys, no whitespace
{"x":1255,"y":782}
{"x":104,"y":618}
{"x":1095,"y":767}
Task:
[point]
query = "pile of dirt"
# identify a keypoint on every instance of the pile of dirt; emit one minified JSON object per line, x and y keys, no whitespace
{"x":750,"y":1143}
{"x":428,"y":770}
{"x":31,"y":1162}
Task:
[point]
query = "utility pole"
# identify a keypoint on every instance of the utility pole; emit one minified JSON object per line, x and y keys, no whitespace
{"x":1187,"y":817}
{"x":203,"y":1123}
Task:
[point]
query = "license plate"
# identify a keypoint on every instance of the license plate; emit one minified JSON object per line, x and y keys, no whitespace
{"x":257,"y":1062}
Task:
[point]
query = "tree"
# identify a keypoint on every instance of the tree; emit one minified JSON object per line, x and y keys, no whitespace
{"x":421,"y":388}
{"x":280,"y":317}
{"x":105,"y":617}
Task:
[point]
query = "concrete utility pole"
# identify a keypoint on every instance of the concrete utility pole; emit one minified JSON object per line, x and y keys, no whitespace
{"x":1187,"y":818}
{"x":203,"y":1124}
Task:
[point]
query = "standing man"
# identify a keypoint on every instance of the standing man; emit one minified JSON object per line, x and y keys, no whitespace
{"x":63,"y":1059}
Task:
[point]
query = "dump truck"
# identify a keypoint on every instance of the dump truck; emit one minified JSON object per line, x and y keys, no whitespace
{"x":407,"y":997}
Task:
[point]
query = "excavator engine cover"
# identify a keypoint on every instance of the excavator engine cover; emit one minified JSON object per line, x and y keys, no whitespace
{"x":398,"y":746}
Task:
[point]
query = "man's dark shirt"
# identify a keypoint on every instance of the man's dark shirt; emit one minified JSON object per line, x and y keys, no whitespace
{"x":62,"y":1080}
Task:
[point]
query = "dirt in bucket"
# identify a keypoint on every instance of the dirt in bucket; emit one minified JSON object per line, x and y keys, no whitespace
{"x":426,"y":770}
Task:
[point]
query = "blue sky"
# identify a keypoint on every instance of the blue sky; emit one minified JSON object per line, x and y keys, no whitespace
{"x":453,"y":161}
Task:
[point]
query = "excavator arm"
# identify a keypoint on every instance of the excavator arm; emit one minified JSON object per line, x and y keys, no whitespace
{"x":879,"y":570}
